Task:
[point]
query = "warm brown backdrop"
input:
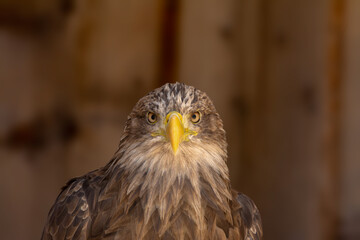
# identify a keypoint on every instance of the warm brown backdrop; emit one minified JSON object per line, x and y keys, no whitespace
{"x":284,"y":76}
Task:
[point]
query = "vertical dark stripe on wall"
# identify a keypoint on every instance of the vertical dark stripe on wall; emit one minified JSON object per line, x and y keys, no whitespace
{"x":169,"y":35}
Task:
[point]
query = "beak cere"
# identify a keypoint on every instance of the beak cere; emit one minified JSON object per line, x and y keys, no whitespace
{"x":174,"y":130}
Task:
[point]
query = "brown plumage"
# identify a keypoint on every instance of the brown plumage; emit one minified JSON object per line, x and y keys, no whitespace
{"x":167,"y":180}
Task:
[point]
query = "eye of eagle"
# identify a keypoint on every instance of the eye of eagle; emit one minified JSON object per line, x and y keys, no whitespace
{"x":151,"y":117}
{"x":195,"y":117}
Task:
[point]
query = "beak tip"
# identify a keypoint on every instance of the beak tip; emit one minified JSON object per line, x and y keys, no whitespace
{"x":175,"y":150}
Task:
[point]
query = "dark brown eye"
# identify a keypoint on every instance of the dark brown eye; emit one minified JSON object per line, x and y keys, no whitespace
{"x":151,"y":117}
{"x":195,"y":117}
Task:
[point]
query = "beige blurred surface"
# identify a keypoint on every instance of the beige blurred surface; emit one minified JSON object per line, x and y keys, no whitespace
{"x":282,"y":74}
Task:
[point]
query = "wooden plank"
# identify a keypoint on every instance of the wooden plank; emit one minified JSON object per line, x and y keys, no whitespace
{"x":329,"y":210}
{"x":116,"y":46}
{"x":285,"y":120}
{"x":350,"y":128}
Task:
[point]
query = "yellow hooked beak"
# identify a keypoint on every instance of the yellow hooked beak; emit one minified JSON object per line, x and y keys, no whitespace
{"x":174,"y":130}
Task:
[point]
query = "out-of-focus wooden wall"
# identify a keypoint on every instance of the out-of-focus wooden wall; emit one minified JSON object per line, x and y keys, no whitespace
{"x":282,"y":74}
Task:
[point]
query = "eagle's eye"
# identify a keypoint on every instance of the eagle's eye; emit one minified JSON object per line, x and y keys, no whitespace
{"x":151,"y":117}
{"x":195,"y":117}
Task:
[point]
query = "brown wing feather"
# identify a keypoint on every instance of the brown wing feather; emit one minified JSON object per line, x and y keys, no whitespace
{"x":250,"y":218}
{"x":69,"y":217}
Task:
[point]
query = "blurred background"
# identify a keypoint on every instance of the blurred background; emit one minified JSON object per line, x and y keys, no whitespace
{"x":282,"y":74}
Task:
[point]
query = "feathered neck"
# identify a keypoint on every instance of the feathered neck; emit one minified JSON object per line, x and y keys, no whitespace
{"x":167,"y":190}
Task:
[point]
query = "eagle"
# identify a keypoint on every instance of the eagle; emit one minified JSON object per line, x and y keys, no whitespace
{"x":168,"y":179}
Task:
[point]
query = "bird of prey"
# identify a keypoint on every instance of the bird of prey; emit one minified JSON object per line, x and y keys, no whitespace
{"x":167,"y":180}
